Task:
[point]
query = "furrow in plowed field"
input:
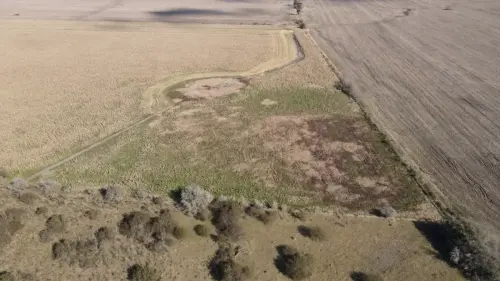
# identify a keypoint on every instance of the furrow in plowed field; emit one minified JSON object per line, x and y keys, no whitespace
{"x":428,"y":74}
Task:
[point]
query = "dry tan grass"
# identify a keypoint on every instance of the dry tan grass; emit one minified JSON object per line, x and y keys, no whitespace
{"x":66,"y":84}
{"x":312,"y":71}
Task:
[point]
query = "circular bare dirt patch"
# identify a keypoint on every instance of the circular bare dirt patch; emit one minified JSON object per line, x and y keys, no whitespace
{"x":211,"y":88}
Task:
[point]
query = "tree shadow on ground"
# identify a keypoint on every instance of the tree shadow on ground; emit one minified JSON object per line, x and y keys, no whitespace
{"x":438,"y":235}
{"x":187,"y":12}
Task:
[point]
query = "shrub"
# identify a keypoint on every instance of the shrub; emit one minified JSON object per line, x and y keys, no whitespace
{"x":104,"y":234}
{"x":385,"y":211}
{"x":226,"y":218}
{"x":201,"y":230}
{"x":203,"y":215}
{"x":298,"y":214}
{"x":466,"y":253}
{"x":179,"y":232}
{"x":41,"y":211}
{"x":457,"y":243}
{"x":361,"y":276}
{"x":6,"y":276}
{"x":28,"y":198}
{"x":343,"y":86}
{"x":4,"y":173}
{"x":18,"y":184}
{"x":293,"y":264}
{"x":300,"y":24}
{"x":111,"y":193}
{"x":264,"y":216}
{"x":194,"y":199}
{"x":224,"y":267}
{"x":56,"y":223}
{"x":314,"y":232}
{"x":139,"y":272}
{"x":298,"y":6}
{"x":157,"y":200}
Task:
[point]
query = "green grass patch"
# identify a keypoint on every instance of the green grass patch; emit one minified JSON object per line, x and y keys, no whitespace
{"x":214,"y":146}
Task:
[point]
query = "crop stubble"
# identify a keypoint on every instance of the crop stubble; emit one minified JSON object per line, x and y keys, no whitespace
{"x":68,"y":84}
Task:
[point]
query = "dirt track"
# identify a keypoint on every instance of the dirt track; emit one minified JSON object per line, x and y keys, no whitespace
{"x":428,"y":74}
{"x":284,"y":51}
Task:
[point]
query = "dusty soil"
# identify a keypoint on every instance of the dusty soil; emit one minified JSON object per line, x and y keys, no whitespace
{"x":63,"y":75}
{"x":427,"y":73}
{"x":117,"y":236}
{"x":211,"y":88}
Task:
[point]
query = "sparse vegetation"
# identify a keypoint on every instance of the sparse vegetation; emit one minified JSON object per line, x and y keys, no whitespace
{"x":92,"y":214}
{"x":407,"y":12}
{"x":223,"y":266}
{"x":263,"y":215}
{"x":293,"y":264}
{"x":138,"y":272}
{"x":312,"y":232}
{"x":201,"y":230}
{"x":40,"y":211}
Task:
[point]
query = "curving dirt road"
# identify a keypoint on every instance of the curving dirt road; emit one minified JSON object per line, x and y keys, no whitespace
{"x":284,"y":52}
{"x":428,"y":73}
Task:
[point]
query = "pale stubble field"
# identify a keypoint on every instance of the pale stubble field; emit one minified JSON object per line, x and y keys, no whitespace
{"x":68,"y":84}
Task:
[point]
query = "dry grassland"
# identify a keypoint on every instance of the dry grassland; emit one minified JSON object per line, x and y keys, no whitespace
{"x":67,"y":84}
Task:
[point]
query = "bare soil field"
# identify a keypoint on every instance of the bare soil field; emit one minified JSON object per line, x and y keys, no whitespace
{"x":427,"y":72}
{"x":201,"y":11}
{"x":52,"y":233}
{"x":67,"y":84}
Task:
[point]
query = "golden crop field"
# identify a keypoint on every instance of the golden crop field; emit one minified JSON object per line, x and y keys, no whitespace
{"x":68,"y":84}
